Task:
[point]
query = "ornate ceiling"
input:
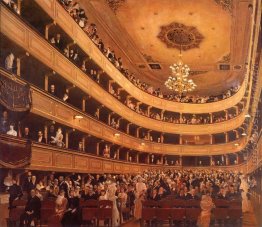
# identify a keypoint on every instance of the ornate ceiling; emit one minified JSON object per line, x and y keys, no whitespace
{"x":212,"y":32}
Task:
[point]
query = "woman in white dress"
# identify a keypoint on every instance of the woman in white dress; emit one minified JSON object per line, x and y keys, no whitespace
{"x":111,"y":195}
{"x":140,"y":194}
{"x":244,"y":190}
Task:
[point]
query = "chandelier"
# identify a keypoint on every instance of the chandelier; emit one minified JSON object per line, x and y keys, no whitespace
{"x":179,"y":81}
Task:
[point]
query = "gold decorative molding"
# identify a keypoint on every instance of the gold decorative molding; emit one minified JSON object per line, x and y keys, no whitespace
{"x":176,"y":35}
{"x":115,"y":4}
{"x":225,"y":59}
{"x":68,"y":24}
{"x":226,"y":5}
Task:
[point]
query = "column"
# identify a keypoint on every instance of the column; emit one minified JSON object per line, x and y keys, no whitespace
{"x":237,"y":134}
{"x":117,"y":153}
{"x":148,"y":134}
{"x":84,"y":104}
{"x":226,"y":114}
{"x":180,"y":160}
{"x":238,"y":158}
{"x":84,"y":143}
{"x":109,"y":118}
{"x":137,"y":132}
{"x":18,"y":63}
{"x":19,"y":6}
{"x":128,"y":127}
{"x":162,"y":137}
{"x":180,"y":140}
{"x":110,"y":82}
{"x":162,"y":159}
{"x":46,"y":133}
{"x":226,"y":137}
{"x":211,"y":160}
{"x":148,"y":110}
{"x":66,"y":139}
{"x":148,"y":159}
{"x":211,"y":139}
{"x":211,"y":117}
{"x":237,"y":110}
{"x":137,"y":157}
{"x":180,"y":117}
{"x":97,"y":148}
{"x":127,"y":156}
{"x":47,"y":27}
{"x":227,"y":160}
{"x":162,"y":114}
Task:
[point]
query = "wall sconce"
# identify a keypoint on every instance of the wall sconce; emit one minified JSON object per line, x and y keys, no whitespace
{"x":143,"y":144}
{"x":247,"y":116}
{"x":117,"y":134}
{"x":78,"y":117}
{"x":236,"y":144}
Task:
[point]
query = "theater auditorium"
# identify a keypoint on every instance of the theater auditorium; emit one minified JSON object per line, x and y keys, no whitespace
{"x":130,"y":113}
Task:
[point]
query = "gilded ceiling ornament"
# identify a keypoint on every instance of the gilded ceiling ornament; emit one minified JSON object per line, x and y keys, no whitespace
{"x":115,"y":4}
{"x":225,"y":59}
{"x":180,"y":36}
{"x":226,"y":5}
{"x":196,"y":72}
{"x":149,"y":58}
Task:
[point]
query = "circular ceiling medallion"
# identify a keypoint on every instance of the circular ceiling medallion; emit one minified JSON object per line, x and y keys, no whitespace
{"x":176,"y":35}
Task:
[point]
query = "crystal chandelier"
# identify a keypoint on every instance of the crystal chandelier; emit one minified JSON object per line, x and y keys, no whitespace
{"x":179,"y":81}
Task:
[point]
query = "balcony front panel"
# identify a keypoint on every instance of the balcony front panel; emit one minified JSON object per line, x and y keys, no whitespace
{"x":63,"y":19}
{"x":42,"y":50}
{"x":48,"y":107}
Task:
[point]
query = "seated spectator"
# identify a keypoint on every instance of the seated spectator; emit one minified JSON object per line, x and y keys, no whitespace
{"x":53,"y":90}
{"x":51,"y":134}
{"x":80,"y":146}
{"x":56,"y":40}
{"x":41,"y":138}
{"x":155,"y":196}
{"x":26,"y":133}
{"x":106,"y":152}
{"x":11,"y":130}
{"x":32,"y":210}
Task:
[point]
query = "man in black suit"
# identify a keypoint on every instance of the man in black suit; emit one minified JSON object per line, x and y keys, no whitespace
{"x":192,"y":195}
{"x":41,"y":138}
{"x":15,"y":192}
{"x":32,"y":210}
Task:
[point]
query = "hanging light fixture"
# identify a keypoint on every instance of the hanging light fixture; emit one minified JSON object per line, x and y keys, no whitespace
{"x":179,"y":81}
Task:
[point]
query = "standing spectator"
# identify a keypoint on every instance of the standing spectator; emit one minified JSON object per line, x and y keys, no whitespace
{"x":206,"y":205}
{"x":9,"y":62}
{"x":4,"y":122}
{"x":32,"y":210}
{"x":51,"y":134}
{"x":15,"y":192}
{"x":26,"y":134}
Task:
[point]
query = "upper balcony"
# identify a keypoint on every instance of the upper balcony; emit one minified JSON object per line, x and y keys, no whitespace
{"x":38,"y":47}
{"x":63,"y":19}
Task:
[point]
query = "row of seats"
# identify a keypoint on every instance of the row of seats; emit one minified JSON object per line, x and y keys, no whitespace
{"x":187,"y":212}
{"x":92,"y":211}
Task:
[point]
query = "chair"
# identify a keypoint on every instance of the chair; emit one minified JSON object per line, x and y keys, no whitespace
{"x":235,"y":216}
{"x":19,"y":203}
{"x":220,"y":215}
{"x":235,"y":204}
{"x":88,"y":203}
{"x":89,"y":214}
{"x":45,"y":214}
{"x":149,"y":203}
{"x":165,"y":204}
{"x":178,"y":214}
{"x":105,"y":211}
{"x":14,"y":215}
{"x":192,"y":203}
{"x":148,"y":214}
{"x":221,"y":203}
{"x":48,"y":204}
{"x":163,"y":214}
{"x":178,"y":203}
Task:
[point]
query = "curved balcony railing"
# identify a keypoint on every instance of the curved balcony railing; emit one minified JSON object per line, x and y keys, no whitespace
{"x":63,"y":19}
{"x":21,"y":34}
{"x":45,"y":105}
{"x":49,"y":158}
